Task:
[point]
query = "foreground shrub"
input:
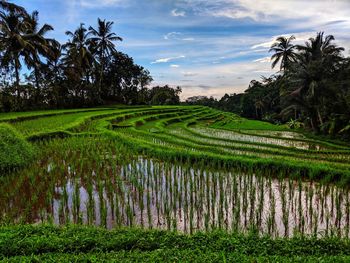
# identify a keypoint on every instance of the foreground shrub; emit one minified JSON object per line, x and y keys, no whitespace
{"x":15,"y":151}
{"x":28,"y":243}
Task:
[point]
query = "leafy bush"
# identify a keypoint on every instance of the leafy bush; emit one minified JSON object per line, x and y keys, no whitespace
{"x":15,"y":151}
{"x":294,"y":124}
{"x":24,"y":243}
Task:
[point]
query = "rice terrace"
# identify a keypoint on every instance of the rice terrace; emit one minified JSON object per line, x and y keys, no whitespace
{"x":97,"y":164}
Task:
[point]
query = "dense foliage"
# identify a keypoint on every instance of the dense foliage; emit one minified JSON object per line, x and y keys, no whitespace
{"x":183,"y":132}
{"x":15,"y":150}
{"x":237,"y":186}
{"x":312,"y":88}
{"x":42,"y":243}
{"x":169,"y":167}
{"x":86,"y":70}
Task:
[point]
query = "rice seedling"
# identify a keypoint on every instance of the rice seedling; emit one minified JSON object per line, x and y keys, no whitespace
{"x":174,"y":168}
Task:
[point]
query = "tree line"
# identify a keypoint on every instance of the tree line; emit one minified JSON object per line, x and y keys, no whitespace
{"x":38,"y":72}
{"x":311,"y":88}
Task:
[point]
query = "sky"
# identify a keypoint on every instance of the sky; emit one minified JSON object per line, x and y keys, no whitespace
{"x":207,"y":47}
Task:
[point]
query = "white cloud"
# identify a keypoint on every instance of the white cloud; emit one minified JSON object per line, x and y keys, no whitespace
{"x":165,"y":60}
{"x":215,"y":80}
{"x":265,"y":44}
{"x":188,"y":39}
{"x":177,"y":36}
{"x":100,"y":3}
{"x":209,"y":91}
{"x":237,"y":14}
{"x":175,"y":12}
{"x":315,"y":12}
{"x":189,"y":74}
{"x":172,"y":35}
{"x":263,"y":60}
{"x":300,"y":38}
{"x":236,"y":51}
{"x":174,"y":66}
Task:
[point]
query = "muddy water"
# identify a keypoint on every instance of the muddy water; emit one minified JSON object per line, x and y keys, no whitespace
{"x":265,"y":140}
{"x":281,"y":134}
{"x":167,"y":196}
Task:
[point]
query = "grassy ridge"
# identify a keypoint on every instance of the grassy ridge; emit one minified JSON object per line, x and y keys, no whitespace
{"x":272,"y":167}
{"x":170,"y":255}
{"x":172,"y":130}
{"x":175,"y":134}
{"x":161,"y":145}
{"x":244,"y":124}
{"x":24,"y":242}
{"x":29,"y":115}
{"x":15,"y":150}
{"x":27,"y":242}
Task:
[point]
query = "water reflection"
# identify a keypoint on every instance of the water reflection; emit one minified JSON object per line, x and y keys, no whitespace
{"x":161,"y":195}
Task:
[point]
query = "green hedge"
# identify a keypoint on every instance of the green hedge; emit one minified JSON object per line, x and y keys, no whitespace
{"x":89,"y":244}
{"x":15,"y":151}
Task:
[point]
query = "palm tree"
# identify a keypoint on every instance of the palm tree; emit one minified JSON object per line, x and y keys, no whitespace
{"x":10,"y":7}
{"x":42,"y":45}
{"x":21,"y":37}
{"x":79,"y":59}
{"x":79,"y":54}
{"x":103,"y":39}
{"x":283,"y":52}
{"x":13,"y":40}
{"x":320,"y":48}
{"x":318,"y":59}
{"x":53,"y":74}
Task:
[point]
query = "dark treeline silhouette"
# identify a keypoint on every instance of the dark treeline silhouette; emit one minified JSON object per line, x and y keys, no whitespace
{"x":87,"y":70}
{"x":311,"y":89}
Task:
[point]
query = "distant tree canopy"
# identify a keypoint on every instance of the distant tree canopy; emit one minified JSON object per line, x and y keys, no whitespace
{"x":228,"y":102}
{"x":312,"y":87}
{"x":164,"y":95}
{"x":87,"y":70}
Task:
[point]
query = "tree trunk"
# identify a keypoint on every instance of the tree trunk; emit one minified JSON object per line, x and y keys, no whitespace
{"x":101,"y":77}
{"x":37,"y":91}
{"x":17,"y":78}
{"x":312,"y":124}
{"x":36,"y":72}
{"x":319,"y":116}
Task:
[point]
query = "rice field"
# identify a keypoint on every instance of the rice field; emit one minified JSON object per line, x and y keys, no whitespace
{"x":176,"y":168}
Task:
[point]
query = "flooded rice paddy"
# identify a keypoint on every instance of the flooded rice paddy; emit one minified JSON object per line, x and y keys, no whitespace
{"x":153,"y":194}
{"x":281,"y":139}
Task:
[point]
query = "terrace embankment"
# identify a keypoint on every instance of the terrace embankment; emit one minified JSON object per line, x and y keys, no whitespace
{"x":173,"y":167}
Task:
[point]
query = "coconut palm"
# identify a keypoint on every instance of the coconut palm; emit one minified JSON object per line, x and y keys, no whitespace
{"x":41,"y":44}
{"x":103,"y":39}
{"x":21,"y":37}
{"x":79,"y":51}
{"x":13,"y":40}
{"x":321,"y":48}
{"x":318,"y":59}
{"x":78,"y":61}
{"x":284,"y":52}
{"x":10,"y":7}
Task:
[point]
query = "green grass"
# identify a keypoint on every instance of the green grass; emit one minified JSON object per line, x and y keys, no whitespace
{"x":330,"y":164}
{"x":15,"y":150}
{"x":238,"y":123}
{"x":75,"y":243}
{"x":20,"y":116}
{"x":57,"y":122}
{"x":158,"y":124}
{"x":87,"y":148}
